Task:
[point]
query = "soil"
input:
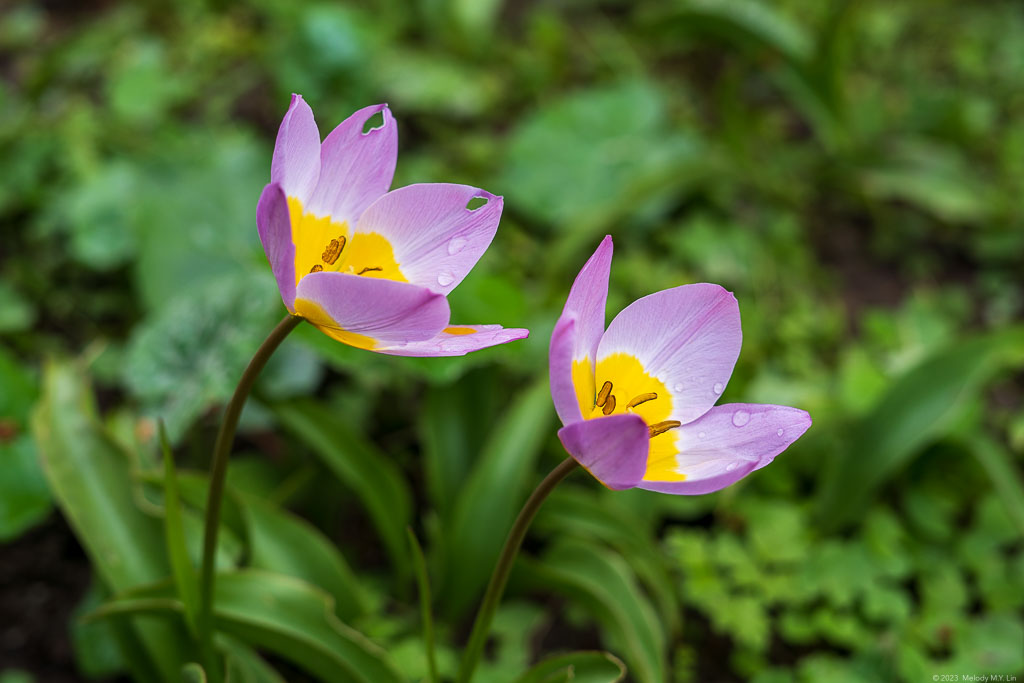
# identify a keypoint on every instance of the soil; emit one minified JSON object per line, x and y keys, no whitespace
{"x":43,"y":576}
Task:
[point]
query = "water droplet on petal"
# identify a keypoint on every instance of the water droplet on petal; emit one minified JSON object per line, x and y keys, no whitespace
{"x":740,"y":418}
{"x":445,"y":278}
{"x":778,"y":432}
{"x":718,"y":387}
{"x":701,"y":435}
{"x":730,"y":467}
{"x":679,"y":386}
{"x":456,"y":245}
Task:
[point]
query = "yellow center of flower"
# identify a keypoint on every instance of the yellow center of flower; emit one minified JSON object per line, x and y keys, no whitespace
{"x":321,"y":244}
{"x":620,"y":384}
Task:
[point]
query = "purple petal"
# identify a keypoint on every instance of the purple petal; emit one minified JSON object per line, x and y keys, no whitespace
{"x":296,"y":162}
{"x":688,"y":337}
{"x":457,"y":340}
{"x":729,"y":442}
{"x":578,"y":330}
{"x":587,"y":300}
{"x":436,"y":239}
{"x":355,"y":167}
{"x":563,"y":391}
{"x":275,"y":228}
{"x":386,"y":311}
{"x":613,"y":449}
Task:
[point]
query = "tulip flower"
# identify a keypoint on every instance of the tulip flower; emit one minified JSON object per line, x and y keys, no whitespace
{"x":368,"y":267}
{"x":637,"y":400}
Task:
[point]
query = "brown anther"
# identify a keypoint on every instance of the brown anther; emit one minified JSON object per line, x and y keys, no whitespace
{"x":333,"y":250}
{"x":316,"y":269}
{"x":602,"y":395}
{"x":642,"y":398}
{"x":662,"y":427}
{"x":609,"y":405}
{"x":367,"y":270}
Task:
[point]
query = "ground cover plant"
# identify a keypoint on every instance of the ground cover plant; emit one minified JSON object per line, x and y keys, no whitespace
{"x":850,"y":170}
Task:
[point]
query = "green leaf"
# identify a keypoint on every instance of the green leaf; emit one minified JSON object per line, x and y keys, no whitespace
{"x":192,"y":673}
{"x":16,"y":312}
{"x":452,"y":419}
{"x":1005,"y":478}
{"x":286,"y":544}
{"x":24,"y":496}
{"x":190,"y":356}
{"x":360,"y":465}
{"x":611,"y":141}
{"x":92,"y":484}
{"x":579,"y":511}
{"x":491,"y":497}
{"x":244,"y":665}
{"x":174,"y":532}
{"x":601,"y":582}
{"x":745,"y":23}
{"x":918,"y":407}
{"x":576,"y":667}
{"x":427,"y":618}
{"x":280,"y":614}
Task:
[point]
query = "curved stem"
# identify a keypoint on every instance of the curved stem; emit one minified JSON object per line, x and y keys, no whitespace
{"x":218,"y":472}
{"x":489,"y":605}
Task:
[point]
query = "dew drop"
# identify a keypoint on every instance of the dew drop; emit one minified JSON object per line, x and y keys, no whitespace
{"x":778,"y":432}
{"x":730,"y":467}
{"x":456,"y":245}
{"x":718,"y":387}
{"x":740,"y":418}
{"x":445,"y":278}
{"x":679,"y":386}
{"x":701,"y":435}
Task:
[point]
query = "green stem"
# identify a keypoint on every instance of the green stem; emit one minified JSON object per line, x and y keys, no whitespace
{"x":218,"y":472}
{"x":489,"y":605}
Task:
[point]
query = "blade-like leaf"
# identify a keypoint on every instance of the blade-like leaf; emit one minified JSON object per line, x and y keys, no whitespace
{"x":576,"y":511}
{"x":174,"y":533}
{"x":286,"y":544}
{"x":919,"y":407}
{"x":370,"y":474}
{"x":423,"y":582}
{"x":280,"y":614}
{"x":491,"y":498}
{"x":601,"y":582}
{"x":192,"y":673}
{"x":90,"y":479}
{"x":576,"y":667}
{"x":244,"y":665}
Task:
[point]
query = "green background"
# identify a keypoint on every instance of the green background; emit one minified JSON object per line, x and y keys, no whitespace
{"x":853,"y":171}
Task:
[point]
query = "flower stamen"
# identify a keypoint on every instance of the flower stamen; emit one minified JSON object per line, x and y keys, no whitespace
{"x":662,"y":427}
{"x":609,"y":405}
{"x":602,"y":396}
{"x":367,"y":270}
{"x":642,"y":398}
{"x":316,"y":269}
{"x":333,"y":250}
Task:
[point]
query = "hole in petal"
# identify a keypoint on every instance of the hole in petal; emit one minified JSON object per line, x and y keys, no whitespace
{"x":475,"y":203}
{"x":375,"y":122}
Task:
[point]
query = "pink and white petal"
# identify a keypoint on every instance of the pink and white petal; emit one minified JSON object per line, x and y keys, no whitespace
{"x":387,"y":311}
{"x":613,"y":449}
{"x":296,"y":162}
{"x":729,"y":442}
{"x":587,"y":300}
{"x":457,"y":340}
{"x":275,"y":228}
{"x":563,"y":392}
{"x":356,"y":168}
{"x":688,"y":337}
{"x":436,"y":239}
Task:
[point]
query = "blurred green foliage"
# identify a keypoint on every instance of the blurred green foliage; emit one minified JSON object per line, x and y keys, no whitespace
{"x":852,"y":170}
